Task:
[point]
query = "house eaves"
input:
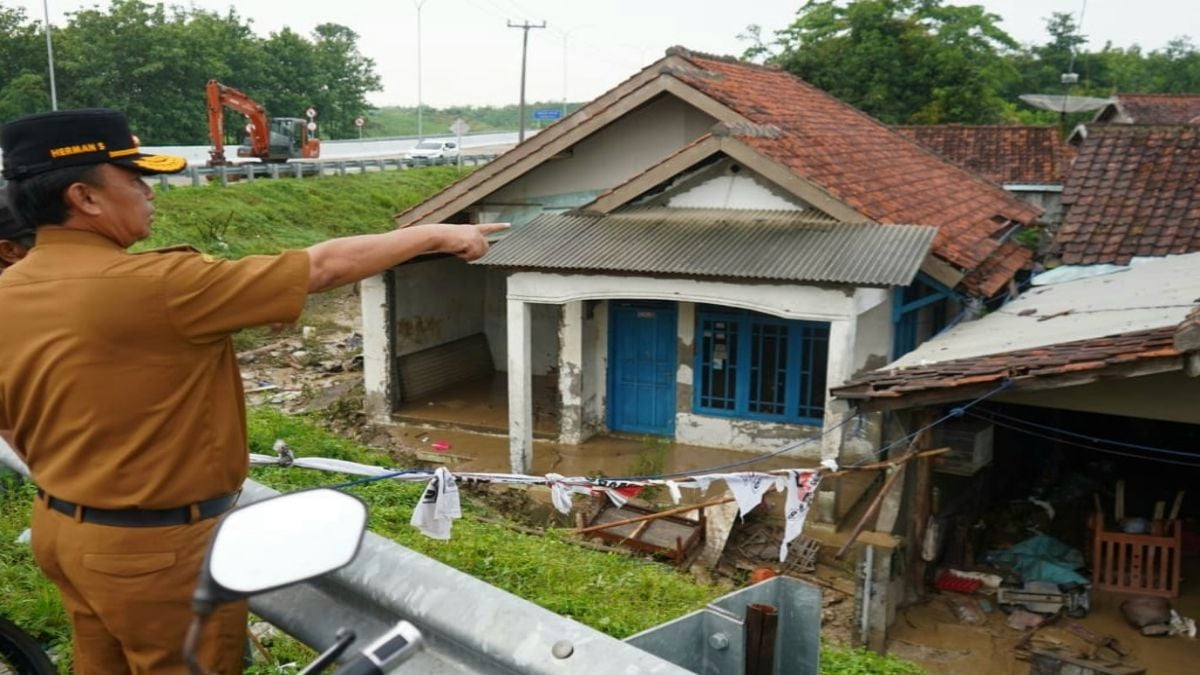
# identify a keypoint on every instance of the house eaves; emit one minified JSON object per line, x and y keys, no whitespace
{"x":654,"y":80}
{"x":735,"y":244}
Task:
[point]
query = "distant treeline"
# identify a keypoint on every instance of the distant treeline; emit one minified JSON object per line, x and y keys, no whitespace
{"x":152,"y":61}
{"x":928,"y":62}
{"x":903,"y":61}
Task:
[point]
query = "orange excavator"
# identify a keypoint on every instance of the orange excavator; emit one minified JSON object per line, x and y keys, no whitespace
{"x":270,"y":140}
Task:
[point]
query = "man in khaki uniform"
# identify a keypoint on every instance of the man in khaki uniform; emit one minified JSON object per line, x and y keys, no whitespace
{"x":120,"y":387}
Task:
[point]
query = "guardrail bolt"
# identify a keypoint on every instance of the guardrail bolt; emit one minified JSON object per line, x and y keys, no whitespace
{"x":562,"y":649}
{"x":718,"y":641}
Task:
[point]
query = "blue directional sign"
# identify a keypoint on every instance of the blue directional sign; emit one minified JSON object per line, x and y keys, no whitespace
{"x":547,"y":114}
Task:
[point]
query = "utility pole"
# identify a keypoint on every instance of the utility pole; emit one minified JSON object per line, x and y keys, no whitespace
{"x":524,"y":51}
{"x":50,"y":56}
{"x":420,"y":128}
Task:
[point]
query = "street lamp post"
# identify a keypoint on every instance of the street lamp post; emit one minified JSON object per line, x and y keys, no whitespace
{"x":50,"y":55}
{"x":420,"y":126}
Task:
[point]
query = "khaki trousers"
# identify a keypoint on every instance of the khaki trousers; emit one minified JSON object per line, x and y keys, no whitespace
{"x":127,"y":591}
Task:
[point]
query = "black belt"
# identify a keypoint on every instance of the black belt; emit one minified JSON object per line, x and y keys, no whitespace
{"x":182,"y":515}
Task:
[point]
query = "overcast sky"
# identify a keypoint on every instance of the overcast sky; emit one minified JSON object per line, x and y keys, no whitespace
{"x":470,"y":56}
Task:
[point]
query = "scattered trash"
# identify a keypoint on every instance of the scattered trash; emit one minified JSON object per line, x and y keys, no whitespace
{"x":952,"y":580}
{"x":1182,"y":626}
{"x":1023,"y":620}
{"x":308,"y":332}
{"x":25,"y":537}
{"x":1151,"y":615}
{"x":965,"y":609}
{"x":441,"y":446}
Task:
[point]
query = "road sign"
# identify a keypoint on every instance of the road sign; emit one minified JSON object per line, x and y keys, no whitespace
{"x":311,"y":112}
{"x":459,"y":127}
{"x":358,"y":121}
{"x":547,"y":114}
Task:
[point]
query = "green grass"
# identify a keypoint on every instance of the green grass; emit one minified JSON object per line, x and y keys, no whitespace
{"x":612,"y":593}
{"x":267,"y":216}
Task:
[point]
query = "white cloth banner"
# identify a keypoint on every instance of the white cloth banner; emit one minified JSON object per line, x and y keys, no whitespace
{"x":801,"y":489}
{"x":748,"y":488}
{"x":439,"y":506}
{"x":561,"y":491}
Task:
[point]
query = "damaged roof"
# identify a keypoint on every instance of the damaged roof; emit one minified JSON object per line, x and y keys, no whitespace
{"x":862,"y":162}
{"x":1151,"y":109}
{"x":720,"y":243}
{"x":1132,"y":191}
{"x":1070,"y":329}
{"x":1002,"y":153}
{"x":863,"y":165}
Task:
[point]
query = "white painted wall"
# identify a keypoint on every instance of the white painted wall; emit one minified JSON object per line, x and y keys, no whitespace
{"x":734,"y":190}
{"x":615,"y":153}
{"x":1173,"y":397}
{"x":595,"y":367}
{"x":377,"y":348}
{"x":495,"y":315}
{"x":789,"y":302}
{"x":436,"y":301}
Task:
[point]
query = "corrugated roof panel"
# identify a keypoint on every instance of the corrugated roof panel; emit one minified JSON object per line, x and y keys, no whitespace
{"x":737,"y":244}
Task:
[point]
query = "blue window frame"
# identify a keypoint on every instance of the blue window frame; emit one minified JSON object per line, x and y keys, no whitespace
{"x":907,"y":303}
{"x":760,"y":367}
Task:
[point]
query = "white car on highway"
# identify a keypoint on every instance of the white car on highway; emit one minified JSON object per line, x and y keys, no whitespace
{"x":432,"y":152}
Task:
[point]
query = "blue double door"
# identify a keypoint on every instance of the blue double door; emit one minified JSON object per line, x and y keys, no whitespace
{"x":642,"y":362}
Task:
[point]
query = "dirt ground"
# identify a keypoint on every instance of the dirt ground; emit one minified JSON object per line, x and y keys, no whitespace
{"x":930,"y":635}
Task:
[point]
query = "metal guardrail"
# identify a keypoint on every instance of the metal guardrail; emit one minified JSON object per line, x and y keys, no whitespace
{"x":469,"y":626}
{"x":249,"y":171}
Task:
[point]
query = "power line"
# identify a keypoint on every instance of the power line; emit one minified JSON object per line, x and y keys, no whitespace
{"x":1086,"y":437}
{"x":524,"y":53}
{"x":1035,"y":434}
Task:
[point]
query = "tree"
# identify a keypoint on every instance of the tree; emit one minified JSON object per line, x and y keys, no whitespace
{"x":903,"y":60}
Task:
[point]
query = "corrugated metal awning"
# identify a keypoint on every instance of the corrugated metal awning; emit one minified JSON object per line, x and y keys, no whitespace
{"x":791,"y":246}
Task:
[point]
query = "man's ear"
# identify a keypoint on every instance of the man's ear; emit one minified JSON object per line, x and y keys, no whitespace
{"x":80,"y":197}
{"x":10,"y":252}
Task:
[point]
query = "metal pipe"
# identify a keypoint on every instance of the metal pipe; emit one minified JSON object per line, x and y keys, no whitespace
{"x":50,"y":56}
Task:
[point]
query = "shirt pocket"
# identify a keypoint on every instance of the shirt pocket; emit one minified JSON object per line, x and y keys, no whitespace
{"x":128,"y":564}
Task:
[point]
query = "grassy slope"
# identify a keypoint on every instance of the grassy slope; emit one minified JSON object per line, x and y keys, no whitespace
{"x":267,"y":216}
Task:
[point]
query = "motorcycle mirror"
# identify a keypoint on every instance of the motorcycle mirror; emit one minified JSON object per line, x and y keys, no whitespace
{"x":280,"y":541}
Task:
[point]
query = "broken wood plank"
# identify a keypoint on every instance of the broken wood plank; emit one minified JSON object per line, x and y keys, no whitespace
{"x":652,"y":516}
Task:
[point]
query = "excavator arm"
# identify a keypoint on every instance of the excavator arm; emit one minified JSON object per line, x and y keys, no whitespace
{"x":220,"y":97}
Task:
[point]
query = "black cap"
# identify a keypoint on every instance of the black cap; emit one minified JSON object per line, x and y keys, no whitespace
{"x":10,"y":229}
{"x":39,"y":143}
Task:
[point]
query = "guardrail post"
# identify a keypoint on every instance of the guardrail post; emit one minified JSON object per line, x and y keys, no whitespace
{"x":223,"y":172}
{"x":298,"y":169}
{"x":162,"y":181}
{"x":273,"y":169}
{"x":341,"y":168}
{"x":194,"y":171}
{"x":249,"y":172}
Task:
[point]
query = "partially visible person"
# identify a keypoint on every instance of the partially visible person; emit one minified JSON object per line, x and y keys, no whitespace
{"x":15,"y":239}
{"x":120,"y":388}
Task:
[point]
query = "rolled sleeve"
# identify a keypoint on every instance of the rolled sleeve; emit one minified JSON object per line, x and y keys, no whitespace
{"x":208,"y":298}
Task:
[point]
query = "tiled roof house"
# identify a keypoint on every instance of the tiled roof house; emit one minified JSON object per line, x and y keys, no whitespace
{"x":1151,"y":109}
{"x":697,"y":253}
{"x":1003,"y":153}
{"x":1133,"y":191}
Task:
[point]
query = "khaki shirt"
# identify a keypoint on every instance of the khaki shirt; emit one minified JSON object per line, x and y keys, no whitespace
{"x":118,"y":377}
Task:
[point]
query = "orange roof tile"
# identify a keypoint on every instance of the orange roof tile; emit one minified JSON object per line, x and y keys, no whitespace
{"x":862,"y":162}
{"x":1004,"y":153}
{"x":1132,"y":191}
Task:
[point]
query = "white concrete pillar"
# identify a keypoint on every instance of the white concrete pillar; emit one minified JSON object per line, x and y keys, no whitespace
{"x":839,"y":367}
{"x":570,"y":373}
{"x":520,"y":388}
{"x":377,"y":348}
